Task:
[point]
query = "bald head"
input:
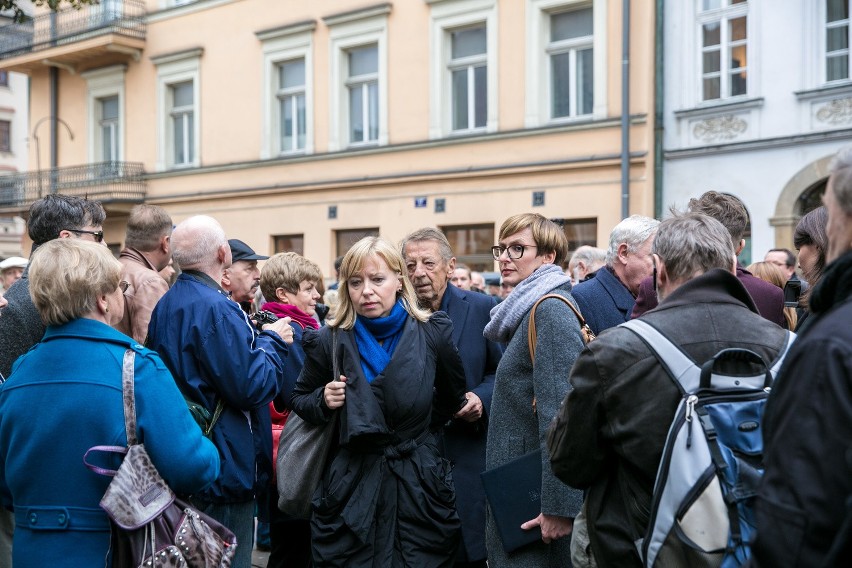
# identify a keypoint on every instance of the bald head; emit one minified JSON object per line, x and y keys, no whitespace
{"x":199,"y":243}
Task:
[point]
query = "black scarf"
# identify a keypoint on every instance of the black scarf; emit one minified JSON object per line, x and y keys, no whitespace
{"x":835,"y":286}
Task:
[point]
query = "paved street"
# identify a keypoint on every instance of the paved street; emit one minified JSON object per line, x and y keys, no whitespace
{"x":259,"y":559}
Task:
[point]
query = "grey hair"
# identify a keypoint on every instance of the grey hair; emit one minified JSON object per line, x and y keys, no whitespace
{"x":690,"y":244}
{"x":633,"y":231}
{"x":429,"y":234}
{"x":840,"y":172}
{"x":589,"y":255}
{"x":195,"y":242}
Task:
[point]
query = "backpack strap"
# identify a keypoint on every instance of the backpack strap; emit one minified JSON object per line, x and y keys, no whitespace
{"x":776,"y":366}
{"x":679,"y":366}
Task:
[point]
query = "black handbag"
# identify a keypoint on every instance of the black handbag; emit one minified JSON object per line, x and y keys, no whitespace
{"x":150,"y":526}
{"x":302,"y":454}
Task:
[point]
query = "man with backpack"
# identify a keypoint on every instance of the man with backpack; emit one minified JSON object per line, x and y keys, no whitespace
{"x":610,"y":436}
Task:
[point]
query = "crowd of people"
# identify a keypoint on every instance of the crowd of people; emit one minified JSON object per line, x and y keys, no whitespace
{"x":431,"y":373}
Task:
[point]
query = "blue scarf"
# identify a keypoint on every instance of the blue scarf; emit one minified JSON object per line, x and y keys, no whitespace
{"x":368,"y":333}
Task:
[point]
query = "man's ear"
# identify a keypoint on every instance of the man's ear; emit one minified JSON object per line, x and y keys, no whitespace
{"x":662,"y":275}
{"x":166,"y":244}
{"x":65,"y":234}
{"x":226,"y":277}
{"x":451,"y":265}
{"x":739,"y":248}
{"x":222,"y":254}
{"x":622,"y":251}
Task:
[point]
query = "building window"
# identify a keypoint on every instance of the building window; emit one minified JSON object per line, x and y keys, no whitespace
{"x":291,"y":105}
{"x":5,"y":136}
{"x":579,"y":232}
{"x":345,"y":238}
{"x":469,"y":83}
{"x":463,"y":68}
{"x":108,"y":123}
{"x":837,"y":40}
{"x":182,"y":113}
{"x":362,"y":85}
{"x":723,"y":32}
{"x":288,"y":243}
{"x":287,"y":119}
{"x":358,"y":90}
{"x":178,"y":109}
{"x":471,"y":245}
{"x":571,"y":51}
{"x":4,"y":78}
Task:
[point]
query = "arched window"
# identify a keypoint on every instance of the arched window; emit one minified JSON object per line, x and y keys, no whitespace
{"x":811,"y":198}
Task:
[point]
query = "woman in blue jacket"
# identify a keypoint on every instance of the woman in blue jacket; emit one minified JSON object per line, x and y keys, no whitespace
{"x":64,"y":396}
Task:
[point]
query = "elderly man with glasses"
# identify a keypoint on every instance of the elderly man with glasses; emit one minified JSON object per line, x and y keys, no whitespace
{"x":52,"y":217}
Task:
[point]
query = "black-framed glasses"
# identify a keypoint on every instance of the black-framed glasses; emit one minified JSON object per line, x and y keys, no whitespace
{"x":123,"y":286}
{"x":514,"y":252}
{"x":98,"y":235}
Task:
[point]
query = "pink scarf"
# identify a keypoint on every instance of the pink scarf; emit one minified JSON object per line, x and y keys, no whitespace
{"x":291,"y":311}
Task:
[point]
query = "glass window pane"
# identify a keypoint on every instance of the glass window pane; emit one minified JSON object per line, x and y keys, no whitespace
{"x":190,"y":137}
{"x":301,"y":121}
{"x":292,"y":74}
{"x":837,"y":67}
{"x":348,"y":237}
{"x":738,"y":57}
{"x":580,"y":232}
{"x":712,"y":61}
{"x":711,"y":88}
{"x":472,"y":245}
{"x":585,"y":78}
{"x":288,"y":243}
{"x":107,"y":137}
{"x":182,"y":93}
{"x":738,"y":2}
{"x":459,"y":95}
{"x":737,"y":29}
{"x":373,"y":107}
{"x":711,"y":4}
{"x":570,"y":25}
{"x":470,"y":41}
{"x":109,"y":108}
{"x":560,"y":69}
{"x":177,"y":122}
{"x":837,"y":38}
{"x":287,"y":124}
{"x":356,"y":113}
{"x":738,"y":83}
{"x":363,"y":60}
{"x":711,"y":35}
{"x":837,"y":10}
{"x":480,"y":96}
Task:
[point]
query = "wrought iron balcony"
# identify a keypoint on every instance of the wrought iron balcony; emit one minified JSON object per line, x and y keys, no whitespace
{"x":120,"y":25}
{"x":111,"y":183}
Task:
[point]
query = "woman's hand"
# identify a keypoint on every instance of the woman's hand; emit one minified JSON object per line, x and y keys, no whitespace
{"x":552,"y":526}
{"x":334,"y":393}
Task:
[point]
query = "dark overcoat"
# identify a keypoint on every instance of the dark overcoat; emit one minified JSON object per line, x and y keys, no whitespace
{"x":604,"y":301}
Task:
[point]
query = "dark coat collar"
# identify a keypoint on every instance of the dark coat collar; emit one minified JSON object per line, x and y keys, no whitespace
{"x":715,"y":286}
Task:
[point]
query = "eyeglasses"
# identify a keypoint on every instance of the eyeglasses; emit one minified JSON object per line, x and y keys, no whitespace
{"x":123,"y":286}
{"x":98,"y":235}
{"x":514,"y":252}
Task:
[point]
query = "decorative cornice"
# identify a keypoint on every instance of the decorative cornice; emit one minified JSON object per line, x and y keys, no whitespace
{"x":288,"y":30}
{"x":359,"y":14}
{"x":719,"y":128}
{"x":177,"y":56}
{"x":720,"y":108}
{"x":835,"y":111}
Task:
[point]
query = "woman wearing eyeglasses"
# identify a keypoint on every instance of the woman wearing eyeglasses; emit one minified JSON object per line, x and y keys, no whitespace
{"x":527,"y":393}
{"x":64,"y":396}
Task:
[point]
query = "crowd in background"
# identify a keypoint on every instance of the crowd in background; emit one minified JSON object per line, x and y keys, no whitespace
{"x":430,"y":372}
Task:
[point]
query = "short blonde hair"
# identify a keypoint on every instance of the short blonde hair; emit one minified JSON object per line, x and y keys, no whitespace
{"x":354,"y":262}
{"x":67,"y":276}
{"x":287,"y":270}
{"x":548,"y":236}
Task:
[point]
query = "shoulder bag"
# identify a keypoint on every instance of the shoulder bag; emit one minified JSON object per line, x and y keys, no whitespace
{"x":302,"y":454}
{"x":150,"y":526}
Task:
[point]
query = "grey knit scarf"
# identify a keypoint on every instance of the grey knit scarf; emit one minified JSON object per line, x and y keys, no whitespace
{"x":508,"y":314}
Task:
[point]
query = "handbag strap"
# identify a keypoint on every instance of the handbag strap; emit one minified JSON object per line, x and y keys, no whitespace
{"x":586,"y":332}
{"x":129,"y":397}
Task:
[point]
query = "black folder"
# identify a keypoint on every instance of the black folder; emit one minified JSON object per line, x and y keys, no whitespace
{"x":514,"y":495}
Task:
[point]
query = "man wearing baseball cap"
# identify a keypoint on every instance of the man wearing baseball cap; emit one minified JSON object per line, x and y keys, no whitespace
{"x":242,"y":278}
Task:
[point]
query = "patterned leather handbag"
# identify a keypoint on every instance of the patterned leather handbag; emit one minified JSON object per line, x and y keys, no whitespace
{"x":150,"y":526}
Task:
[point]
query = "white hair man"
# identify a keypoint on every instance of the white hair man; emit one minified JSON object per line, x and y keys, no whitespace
{"x":804,"y":505}
{"x":585,"y":261}
{"x":215,"y":354}
{"x":607,"y":299}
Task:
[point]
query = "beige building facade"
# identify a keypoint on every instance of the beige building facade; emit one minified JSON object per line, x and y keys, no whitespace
{"x":304,"y":125}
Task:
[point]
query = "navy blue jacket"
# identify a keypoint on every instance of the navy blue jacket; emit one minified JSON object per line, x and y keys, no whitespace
{"x":604,"y":301}
{"x":213,"y":352}
{"x":464,"y":442}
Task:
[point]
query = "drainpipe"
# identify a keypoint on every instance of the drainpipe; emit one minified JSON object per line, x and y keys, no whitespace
{"x":659,"y":108}
{"x":54,"y":112}
{"x":625,"y":109}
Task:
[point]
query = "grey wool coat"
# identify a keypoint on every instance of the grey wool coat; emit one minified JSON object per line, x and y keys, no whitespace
{"x":514,"y":429}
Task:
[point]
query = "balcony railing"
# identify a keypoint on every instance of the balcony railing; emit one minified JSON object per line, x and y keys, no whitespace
{"x":122,"y":17}
{"x":107,"y":182}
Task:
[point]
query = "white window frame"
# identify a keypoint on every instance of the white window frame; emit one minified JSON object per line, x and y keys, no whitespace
{"x":469,"y":64}
{"x":172,"y":70}
{"x":280,"y":46}
{"x":723,"y":15}
{"x":348,"y":31}
{"x":446,"y":17}
{"x":821,"y":52}
{"x":103,"y":83}
{"x":538,"y":73}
